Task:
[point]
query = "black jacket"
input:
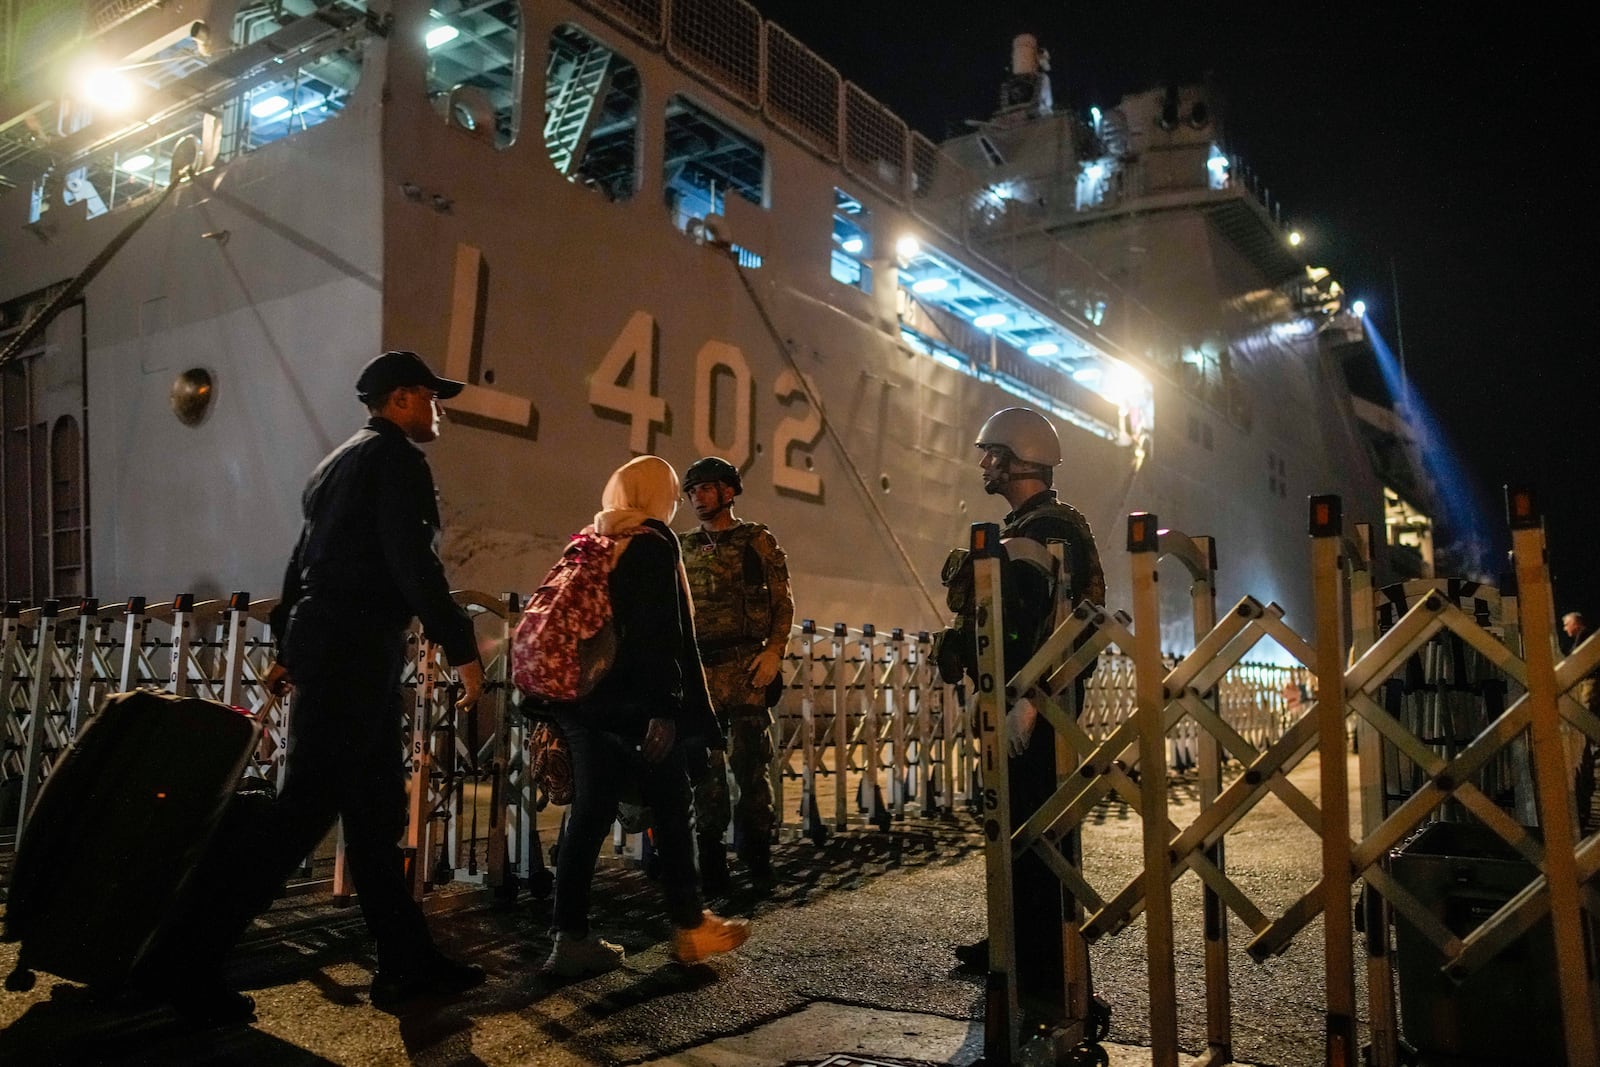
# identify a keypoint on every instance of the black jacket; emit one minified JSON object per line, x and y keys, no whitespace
{"x":368,"y":549}
{"x":657,"y":672}
{"x":1028,"y":597}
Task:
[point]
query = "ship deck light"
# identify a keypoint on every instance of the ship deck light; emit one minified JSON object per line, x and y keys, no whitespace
{"x":1359,"y":309}
{"x":907,"y":247}
{"x":107,"y":88}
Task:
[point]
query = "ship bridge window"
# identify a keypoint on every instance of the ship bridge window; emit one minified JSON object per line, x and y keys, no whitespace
{"x":852,"y":242}
{"x":704,"y":158}
{"x":473,"y":52}
{"x":591,"y":122}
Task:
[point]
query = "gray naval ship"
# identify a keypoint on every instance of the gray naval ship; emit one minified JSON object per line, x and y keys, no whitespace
{"x":638,"y":226}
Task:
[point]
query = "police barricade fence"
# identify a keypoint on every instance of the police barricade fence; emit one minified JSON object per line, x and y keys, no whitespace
{"x":1464,"y":721}
{"x":865,"y":733}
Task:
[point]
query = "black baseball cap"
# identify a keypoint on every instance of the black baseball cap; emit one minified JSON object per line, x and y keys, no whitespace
{"x":395,"y":370}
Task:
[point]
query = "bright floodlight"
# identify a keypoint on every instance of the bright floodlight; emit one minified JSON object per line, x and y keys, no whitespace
{"x":907,"y":247}
{"x":852,"y":245}
{"x":1094,"y":171}
{"x":930,"y":285}
{"x":440,"y":35}
{"x":1295,"y":237}
{"x":1123,"y":385}
{"x":1359,"y":309}
{"x":268,"y":107}
{"x":106,"y":88}
{"x":135,"y":164}
{"x":1043,"y":348}
{"x":992,"y":319}
{"x":1094,"y":113}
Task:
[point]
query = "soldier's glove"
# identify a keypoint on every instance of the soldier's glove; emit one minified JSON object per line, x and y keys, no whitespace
{"x":1020,"y":721}
{"x":764,"y":668}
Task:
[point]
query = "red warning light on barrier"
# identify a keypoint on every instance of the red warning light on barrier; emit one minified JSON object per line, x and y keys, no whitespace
{"x":1327,"y":515}
{"x":1522,"y":509}
{"x":1142,"y":533}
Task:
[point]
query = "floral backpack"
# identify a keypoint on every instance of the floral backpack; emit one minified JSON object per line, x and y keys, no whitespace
{"x":566,"y":641}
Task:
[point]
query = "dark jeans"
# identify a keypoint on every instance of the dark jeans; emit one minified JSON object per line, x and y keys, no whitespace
{"x":344,"y":760}
{"x":603,"y":764}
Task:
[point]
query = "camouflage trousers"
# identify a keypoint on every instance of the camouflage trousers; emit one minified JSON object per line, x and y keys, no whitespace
{"x":749,"y":756}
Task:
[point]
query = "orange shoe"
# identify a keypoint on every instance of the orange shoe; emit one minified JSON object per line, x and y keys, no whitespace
{"x":714,"y":936}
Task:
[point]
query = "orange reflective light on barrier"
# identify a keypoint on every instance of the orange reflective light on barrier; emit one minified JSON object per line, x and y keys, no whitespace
{"x":1521,"y":507}
{"x":1327,"y":516}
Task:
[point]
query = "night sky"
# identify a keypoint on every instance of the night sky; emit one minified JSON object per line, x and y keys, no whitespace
{"x":1422,"y":150}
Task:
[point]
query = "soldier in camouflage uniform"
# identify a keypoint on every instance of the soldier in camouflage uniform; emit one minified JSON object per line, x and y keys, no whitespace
{"x":739,"y":578}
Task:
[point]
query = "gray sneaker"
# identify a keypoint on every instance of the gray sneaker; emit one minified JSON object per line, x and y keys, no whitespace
{"x":575,"y":957}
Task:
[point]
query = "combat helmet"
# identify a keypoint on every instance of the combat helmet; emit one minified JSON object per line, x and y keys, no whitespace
{"x":1024,"y":432}
{"x":712,"y":469}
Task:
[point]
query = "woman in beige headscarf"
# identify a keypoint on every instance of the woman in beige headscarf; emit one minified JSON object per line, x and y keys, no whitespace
{"x":630,"y":730}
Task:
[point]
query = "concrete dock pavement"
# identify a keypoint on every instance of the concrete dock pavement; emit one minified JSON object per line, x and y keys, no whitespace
{"x":851,"y":955}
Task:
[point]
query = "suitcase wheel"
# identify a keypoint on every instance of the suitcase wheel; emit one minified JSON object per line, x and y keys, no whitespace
{"x":1089,"y":1054}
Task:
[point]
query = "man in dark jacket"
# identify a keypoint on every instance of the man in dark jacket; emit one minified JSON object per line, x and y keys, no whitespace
{"x":364,"y":566}
{"x":1020,"y":454}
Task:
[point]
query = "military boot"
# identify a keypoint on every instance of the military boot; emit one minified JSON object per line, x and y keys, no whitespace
{"x":756,"y":854}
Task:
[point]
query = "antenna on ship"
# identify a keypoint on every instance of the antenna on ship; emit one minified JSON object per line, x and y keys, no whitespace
{"x":1026,"y":93}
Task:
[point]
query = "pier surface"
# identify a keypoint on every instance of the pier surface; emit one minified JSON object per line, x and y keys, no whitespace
{"x":851,"y":956}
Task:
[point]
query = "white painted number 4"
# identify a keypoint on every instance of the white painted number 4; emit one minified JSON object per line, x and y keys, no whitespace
{"x":625,"y":380}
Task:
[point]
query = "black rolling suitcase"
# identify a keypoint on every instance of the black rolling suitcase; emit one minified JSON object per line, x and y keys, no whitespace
{"x":117,"y":832}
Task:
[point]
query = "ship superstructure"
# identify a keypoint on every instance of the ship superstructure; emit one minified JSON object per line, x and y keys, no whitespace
{"x":636,"y":226}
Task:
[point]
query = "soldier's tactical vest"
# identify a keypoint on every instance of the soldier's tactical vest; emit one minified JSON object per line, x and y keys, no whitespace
{"x":953,"y":647}
{"x":728,"y":580}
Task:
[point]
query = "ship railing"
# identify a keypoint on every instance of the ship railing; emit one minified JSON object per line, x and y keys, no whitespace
{"x":1000,"y":215}
{"x":865,"y":733}
{"x":727,"y":44}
